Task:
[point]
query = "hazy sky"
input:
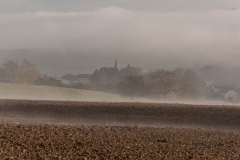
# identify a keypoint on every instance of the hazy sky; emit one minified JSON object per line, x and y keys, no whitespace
{"x":18,"y":6}
{"x":188,"y":31}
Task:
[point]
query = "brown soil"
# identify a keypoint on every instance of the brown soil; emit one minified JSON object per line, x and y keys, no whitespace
{"x":141,"y":114}
{"x":78,"y":130}
{"x":99,"y":142}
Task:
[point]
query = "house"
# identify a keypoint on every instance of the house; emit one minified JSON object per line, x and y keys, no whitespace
{"x":73,"y":79}
{"x":222,"y":92}
{"x":65,"y":82}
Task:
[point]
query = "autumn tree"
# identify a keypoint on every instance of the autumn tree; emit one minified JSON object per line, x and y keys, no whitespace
{"x":10,"y":71}
{"x":28,"y":72}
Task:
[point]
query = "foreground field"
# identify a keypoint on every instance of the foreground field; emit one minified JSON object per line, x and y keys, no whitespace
{"x":94,"y":130}
{"x":141,"y":114}
{"x":99,"y":142}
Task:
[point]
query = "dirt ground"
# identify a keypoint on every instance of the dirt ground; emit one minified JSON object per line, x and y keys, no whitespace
{"x":94,"y":130}
{"x":115,"y":142}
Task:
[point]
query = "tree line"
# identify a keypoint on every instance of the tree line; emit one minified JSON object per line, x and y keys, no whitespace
{"x":106,"y":75}
{"x":15,"y":72}
{"x":26,"y":73}
{"x":131,"y":81}
{"x":178,"y":83}
{"x":162,"y":83}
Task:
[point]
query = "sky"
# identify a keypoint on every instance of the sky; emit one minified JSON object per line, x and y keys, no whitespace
{"x":149,"y":34}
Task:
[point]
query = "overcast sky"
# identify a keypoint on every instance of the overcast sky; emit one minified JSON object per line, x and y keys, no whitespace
{"x":18,"y":6}
{"x":201,"y":31}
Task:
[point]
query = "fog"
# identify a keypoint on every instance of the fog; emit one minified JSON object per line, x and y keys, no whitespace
{"x":94,"y":37}
{"x":79,"y":37}
{"x":161,"y":63}
{"x":13,"y":6}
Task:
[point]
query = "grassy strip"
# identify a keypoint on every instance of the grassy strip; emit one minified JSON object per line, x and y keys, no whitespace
{"x":23,"y":91}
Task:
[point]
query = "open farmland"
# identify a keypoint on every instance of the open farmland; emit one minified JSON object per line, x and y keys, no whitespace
{"x":95,"y":130}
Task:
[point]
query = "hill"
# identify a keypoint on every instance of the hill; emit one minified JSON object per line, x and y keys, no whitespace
{"x":23,"y":91}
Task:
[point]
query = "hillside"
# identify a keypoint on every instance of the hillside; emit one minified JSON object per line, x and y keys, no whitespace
{"x":22,"y":91}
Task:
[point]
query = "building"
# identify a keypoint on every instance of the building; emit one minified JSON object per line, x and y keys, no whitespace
{"x":223,"y":92}
{"x":80,"y":78}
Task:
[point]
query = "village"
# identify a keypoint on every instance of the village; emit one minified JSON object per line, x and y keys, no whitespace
{"x":111,"y":79}
{"x":207,"y":83}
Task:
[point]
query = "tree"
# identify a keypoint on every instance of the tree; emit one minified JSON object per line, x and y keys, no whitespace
{"x":10,"y":71}
{"x":129,"y":71}
{"x":217,"y":74}
{"x":191,"y":85}
{"x":165,"y":82}
{"x":48,"y":80}
{"x":29,"y":72}
{"x":95,"y":78}
{"x":13,"y":73}
{"x":132,"y":86}
{"x":110,"y":75}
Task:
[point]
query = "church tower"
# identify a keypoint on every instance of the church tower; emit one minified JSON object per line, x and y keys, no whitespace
{"x":116,"y":64}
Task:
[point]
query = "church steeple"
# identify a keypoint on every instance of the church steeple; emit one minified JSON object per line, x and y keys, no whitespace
{"x":116,"y":64}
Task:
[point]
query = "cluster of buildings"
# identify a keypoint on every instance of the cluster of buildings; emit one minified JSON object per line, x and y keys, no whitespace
{"x":69,"y":79}
{"x":213,"y":91}
{"x":222,"y":92}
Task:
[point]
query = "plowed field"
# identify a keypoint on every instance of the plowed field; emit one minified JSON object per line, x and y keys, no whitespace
{"x":94,"y":130}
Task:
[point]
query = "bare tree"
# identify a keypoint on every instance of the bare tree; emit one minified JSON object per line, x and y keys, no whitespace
{"x":165,"y":82}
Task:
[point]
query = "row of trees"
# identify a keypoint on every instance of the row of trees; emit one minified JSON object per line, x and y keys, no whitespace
{"x":220,"y":75}
{"x":25,"y":72}
{"x":182,"y":83}
{"x":186,"y":83}
{"x":106,"y":75}
{"x":131,"y":81}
